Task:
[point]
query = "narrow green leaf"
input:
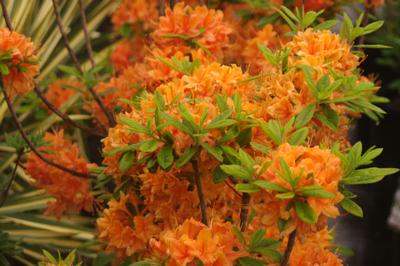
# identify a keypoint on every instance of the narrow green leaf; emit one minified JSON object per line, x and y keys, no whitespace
{"x":299,"y":136}
{"x":165,"y":156}
{"x":315,"y":191}
{"x":305,"y":212}
{"x":216,"y":152}
{"x":270,"y":186}
{"x":149,"y":146}
{"x":186,"y":157}
{"x":247,"y":188}
{"x":351,"y":207}
{"x":126,"y":161}
{"x":133,"y":126}
{"x":305,"y":116}
{"x":236,"y":171}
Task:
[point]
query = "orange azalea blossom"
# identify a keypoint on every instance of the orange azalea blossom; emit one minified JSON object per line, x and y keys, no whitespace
{"x":22,"y":65}
{"x":61,"y":90}
{"x":272,"y":36}
{"x":140,"y":14}
{"x":314,"y":250}
{"x":322,"y":50}
{"x":127,"y":52}
{"x":314,"y":4}
{"x":72,"y":193}
{"x":214,"y":246}
{"x":314,"y":166}
{"x":204,"y":25}
{"x":123,"y":231}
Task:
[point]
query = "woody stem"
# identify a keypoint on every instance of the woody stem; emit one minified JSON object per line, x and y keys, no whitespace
{"x":30,"y":144}
{"x":200,"y":194}
{"x":4,"y":194}
{"x":72,"y":54}
{"x":289,"y":248}
{"x":244,"y":211}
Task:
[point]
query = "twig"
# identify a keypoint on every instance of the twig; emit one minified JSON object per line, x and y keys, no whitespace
{"x":244,"y":211}
{"x":86,"y":33}
{"x":364,"y":22}
{"x":64,"y":116}
{"x":171,"y":4}
{"x":5,"y":15}
{"x":200,"y":194}
{"x":4,"y":194}
{"x":289,"y":248}
{"x":30,"y":144}
{"x":161,"y":7}
{"x":72,"y":54}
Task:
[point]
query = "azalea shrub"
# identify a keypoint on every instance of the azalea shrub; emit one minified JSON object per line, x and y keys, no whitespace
{"x":220,"y":128}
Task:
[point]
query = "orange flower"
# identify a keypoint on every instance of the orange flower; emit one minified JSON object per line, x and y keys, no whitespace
{"x":272,"y":36}
{"x":124,"y":229}
{"x":61,"y":90}
{"x":127,"y":52}
{"x":214,"y":246}
{"x":314,"y":4}
{"x":314,"y":250}
{"x":314,"y":166}
{"x":72,"y":193}
{"x":205,"y":26}
{"x":140,"y":14}
{"x":22,"y":64}
{"x":322,"y":50}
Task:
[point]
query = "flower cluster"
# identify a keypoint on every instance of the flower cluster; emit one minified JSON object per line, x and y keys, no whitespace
{"x":72,"y":194}
{"x":19,"y":62}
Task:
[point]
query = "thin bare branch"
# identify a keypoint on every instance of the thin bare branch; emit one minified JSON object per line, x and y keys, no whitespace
{"x":5,"y":15}
{"x":4,"y":194}
{"x":200,"y":193}
{"x":86,"y":33}
{"x":30,"y":144}
{"x":161,"y":7}
{"x":289,"y":248}
{"x":244,"y":211}
{"x":72,"y":54}
{"x":65,"y":117}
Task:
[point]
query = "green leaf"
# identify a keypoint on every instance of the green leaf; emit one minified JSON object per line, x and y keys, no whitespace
{"x":70,"y":71}
{"x":236,"y":171}
{"x":219,"y":176}
{"x":268,"y":54}
{"x":374,"y":26}
{"x":286,"y":173}
{"x":259,"y":147}
{"x":326,"y":25}
{"x":248,"y":261}
{"x":133,"y":126}
{"x":305,"y":116}
{"x":326,"y":121}
{"x":239,"y":235}
{"x":165,"y":157}
{"x":247,"y":188}
{"x":246,"y":160}
{"x":186,"y":157}
{"x":126,"y":161}
{"x":286,"y":195}
{"x":270,"y":186}
{"x":187,"y":116}
{"x":220,"y":124}
{"x":216,"y":152}
{"x":244,"y":137}
{"x":305,"y":212}
{"x":269,"y":253}
{"x":368,"y":175}
{"x":299,"y":136}
{"x":351,"y":207}
{"x":274,"y":130}
{"x":372,"y":46}
{"x":149,"y":146}
{"x":4,"y":69}
{"x":315,"y":191}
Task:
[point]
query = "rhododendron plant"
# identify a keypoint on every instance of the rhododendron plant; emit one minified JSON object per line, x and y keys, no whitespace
{"x":213,"y":133}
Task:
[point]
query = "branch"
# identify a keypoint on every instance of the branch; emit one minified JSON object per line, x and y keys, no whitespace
{"x":72,"y":54}
{"x":244,"y":211}
{"x":30,"y":144}
{"x":64,"y":116}
{"x":5,"y":15}
{"x":171,"y":4}
{"x":161,"y":7}
{"x":289,"y":248}
{"x":4,"y":194}
{"x":86,"y":33}
{"x":200,"y":194}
